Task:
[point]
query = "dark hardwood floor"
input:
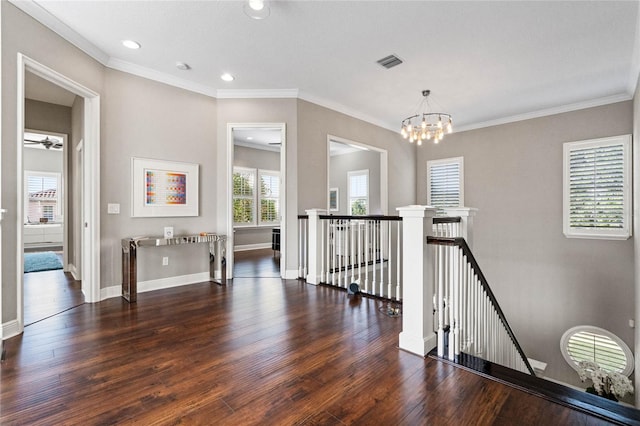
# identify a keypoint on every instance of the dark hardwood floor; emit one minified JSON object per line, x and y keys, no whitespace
{"x":261,"y":263}
{"x":48,"y":293}
{"x":278,"y":353}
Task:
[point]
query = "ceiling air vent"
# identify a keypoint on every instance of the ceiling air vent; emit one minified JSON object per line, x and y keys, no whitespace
{"x":390,"y":61}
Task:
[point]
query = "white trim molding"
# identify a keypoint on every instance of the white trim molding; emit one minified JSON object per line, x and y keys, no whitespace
{"x":257,"y":94}
{"x":247,"y":247}
{"x":10,"y":329}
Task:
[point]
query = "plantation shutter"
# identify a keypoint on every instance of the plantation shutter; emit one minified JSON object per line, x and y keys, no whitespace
{"x":244,"y":181}
{"x":588,"y":346}
{"x":269,"y":197}
{"x":596,"y":187}
{"x":597,"y":195}
{"x":445,"y":183}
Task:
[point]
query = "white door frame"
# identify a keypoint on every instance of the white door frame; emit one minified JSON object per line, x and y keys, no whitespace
{"x":91,"y":180}
{"x":283,"y":192}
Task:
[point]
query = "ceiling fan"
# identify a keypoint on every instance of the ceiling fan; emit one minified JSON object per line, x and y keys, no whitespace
{"x":46,"y":142}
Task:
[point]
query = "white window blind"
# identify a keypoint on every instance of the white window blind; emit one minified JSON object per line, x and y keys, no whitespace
{"x":269,"y":197}
{"x":445,"y":182}
{"x":358,"y":192}
{"x":244,"y":182}
{"x":597,"y":188}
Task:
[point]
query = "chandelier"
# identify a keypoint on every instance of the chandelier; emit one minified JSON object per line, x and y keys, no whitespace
{"x":426,"y":126}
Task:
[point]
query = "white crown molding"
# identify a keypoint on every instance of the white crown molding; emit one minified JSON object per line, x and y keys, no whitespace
{"x":43,"y":16}
{"x":158,"y":76}
{"x":257,"y":94}
{"x":546,"y":112}
{"x":634,"y":71}
{"x":347,"y":111}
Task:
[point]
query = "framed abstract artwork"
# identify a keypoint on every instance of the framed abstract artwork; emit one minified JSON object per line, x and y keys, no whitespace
{"x":164,"y":188}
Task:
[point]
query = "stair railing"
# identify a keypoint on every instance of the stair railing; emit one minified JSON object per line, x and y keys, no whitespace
{"x":468,"y":318}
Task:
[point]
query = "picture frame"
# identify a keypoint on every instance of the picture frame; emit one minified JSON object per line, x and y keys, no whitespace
{"x":164,"y":188}
{"x":334,"y":199}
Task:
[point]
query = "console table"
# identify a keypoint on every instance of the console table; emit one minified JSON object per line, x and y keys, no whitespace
{"x":217,"y":260}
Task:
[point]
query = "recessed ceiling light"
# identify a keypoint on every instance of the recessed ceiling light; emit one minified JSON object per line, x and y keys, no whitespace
{"x":227,"y":77}
{"x":182,"y":66}
{"x":249,"y":138}
{"x":131,"y":44}
{"x":256,"y":9}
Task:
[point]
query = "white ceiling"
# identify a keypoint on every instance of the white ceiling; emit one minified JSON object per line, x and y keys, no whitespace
{"x":485,"y":62}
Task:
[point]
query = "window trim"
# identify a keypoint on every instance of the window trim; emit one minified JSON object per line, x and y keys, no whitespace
{"x":592,"y":233}
{"x":364,"y":172}
{"x":596,"y":330}
{"x":452,"y":160}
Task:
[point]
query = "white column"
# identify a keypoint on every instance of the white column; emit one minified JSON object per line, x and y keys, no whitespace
{"x":417,"y":334}
{"x":466,"y":215}
{"x":314,"y":253}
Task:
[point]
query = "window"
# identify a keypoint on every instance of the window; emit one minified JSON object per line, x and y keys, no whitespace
{"x":597,"y":188}
{"x":253,"y":207}
{"x":358,"y":192}
{"x":244,"y":182}
{"x":445,"y":182}
{"x":269,"y":197}
{"x":586,"y":343}
{"x":42,"y":196}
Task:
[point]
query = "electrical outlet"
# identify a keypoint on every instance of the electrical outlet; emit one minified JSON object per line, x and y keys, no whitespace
{"x":113,"y":208}
{"x":165,"y":261}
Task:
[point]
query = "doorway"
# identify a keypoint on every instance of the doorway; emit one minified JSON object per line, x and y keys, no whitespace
{"x":33,"y":76}
{"x":256,"y":220}
{"x":49,"y":288}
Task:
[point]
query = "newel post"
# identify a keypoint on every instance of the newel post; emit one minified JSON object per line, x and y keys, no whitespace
{"x":466,"y":215}
{"x":315,"y":246}
{"x":418,"y":260}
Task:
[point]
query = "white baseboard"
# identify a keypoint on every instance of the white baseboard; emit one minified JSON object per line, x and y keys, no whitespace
{"x":247,"y":247}
{"x":10,"y":329}
{"x":291,"y":274}
{"x":110,"y":292}
{"x":73,"y":271}
{"x":150,"y":285}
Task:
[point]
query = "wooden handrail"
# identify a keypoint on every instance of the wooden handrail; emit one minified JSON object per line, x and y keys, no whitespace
{"x":462,"y":244}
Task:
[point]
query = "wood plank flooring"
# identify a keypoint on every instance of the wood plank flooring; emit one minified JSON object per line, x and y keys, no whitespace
{"x":261,"y":263}
{"x":277,"y":353}
{"x":48,"y":293}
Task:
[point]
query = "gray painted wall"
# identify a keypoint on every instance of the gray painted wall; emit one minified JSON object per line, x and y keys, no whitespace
{"x":341,"y":165}
{"x":545,"y":283}
{"x":142,"y":118}
{"x":636,"y":233}
{"x":21,"y":33}
{"x":315,"y":123}
{"x":258,"y":159}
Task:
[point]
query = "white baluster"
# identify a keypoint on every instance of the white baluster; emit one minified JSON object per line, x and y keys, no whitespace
{"x":440,"y":308}
{"x":367,"y":242}
{"x":390,"y":262}
{"x":323,"y":242}
{"x":398,"y":262}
